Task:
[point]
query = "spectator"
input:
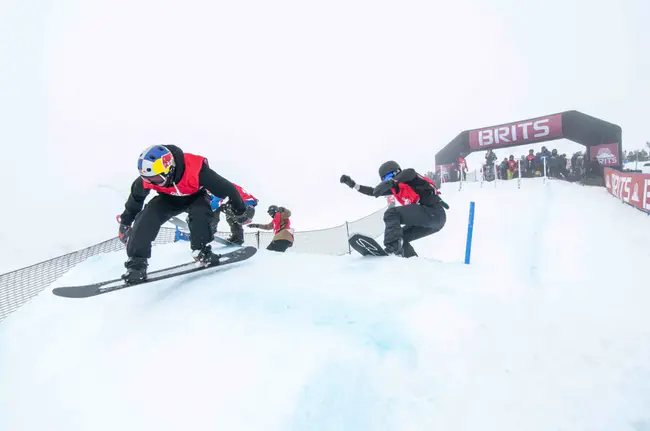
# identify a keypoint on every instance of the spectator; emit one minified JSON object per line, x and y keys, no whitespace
{"x":577,"y":165}
{"x":462,"y":167}
{"x":503,"y":169}
{"x":488,"y":167}
{"x":556,"y":165}
{"x":530,"y":164}
{"x":488,"y":172}
{"x":562,"y":168}
{"x":543,"y":156}
{"x":552,"y":163}
{"x":490,"y":157}
{"x":512,"y":169}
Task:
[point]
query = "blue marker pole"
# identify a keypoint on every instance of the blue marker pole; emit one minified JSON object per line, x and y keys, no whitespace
{"x":470,"y":231}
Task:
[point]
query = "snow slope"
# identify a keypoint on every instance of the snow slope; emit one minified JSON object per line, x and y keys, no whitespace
{"x":539,"y":333}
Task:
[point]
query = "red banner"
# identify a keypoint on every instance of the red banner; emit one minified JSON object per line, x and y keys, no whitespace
{"x":605,"y":154}
{"x":522,"y":132}
{"x":633,"y":189}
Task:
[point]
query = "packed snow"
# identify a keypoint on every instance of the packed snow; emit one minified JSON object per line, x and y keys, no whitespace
{"x":545,"y":329}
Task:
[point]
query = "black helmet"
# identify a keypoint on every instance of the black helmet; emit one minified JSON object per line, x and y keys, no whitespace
{"x":273,"y":209}
{"x":389,"y":167}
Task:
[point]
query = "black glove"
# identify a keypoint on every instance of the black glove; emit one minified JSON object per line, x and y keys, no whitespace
{"x":226,"y":207}
{"x":253,"y":225}
{"x":345,"y":179}
{"x":123,"y":233}
{"x":383,"y":187}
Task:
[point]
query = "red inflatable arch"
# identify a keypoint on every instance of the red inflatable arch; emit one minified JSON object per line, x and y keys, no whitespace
{"x":602,"y":139}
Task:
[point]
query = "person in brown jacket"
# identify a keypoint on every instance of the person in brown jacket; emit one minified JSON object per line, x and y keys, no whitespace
{"x":281,"y":225}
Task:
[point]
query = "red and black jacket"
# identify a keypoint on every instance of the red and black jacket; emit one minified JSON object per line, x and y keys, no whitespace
{"x":408,"y":187}
{"x":192,"y":177}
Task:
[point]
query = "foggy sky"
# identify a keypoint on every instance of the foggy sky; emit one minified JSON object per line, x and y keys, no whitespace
{"x":285,"y":96}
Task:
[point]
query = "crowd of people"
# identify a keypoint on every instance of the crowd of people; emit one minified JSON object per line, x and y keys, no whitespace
{"x":531,"y":165}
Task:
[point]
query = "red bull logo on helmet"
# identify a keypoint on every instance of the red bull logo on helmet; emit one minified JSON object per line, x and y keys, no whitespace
{"x":163,"y":164}
{"x":167,"y":160}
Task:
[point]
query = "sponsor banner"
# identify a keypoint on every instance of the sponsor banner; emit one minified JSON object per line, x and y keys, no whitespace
{"x":605,"y":154}
{"x":631,"y":188}
{"x":522,"y":132}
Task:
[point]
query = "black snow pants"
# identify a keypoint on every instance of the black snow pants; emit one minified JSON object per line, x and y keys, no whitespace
{"x":160,"y":209}
{"x":418,"y":220}
{"x":280,"y":245}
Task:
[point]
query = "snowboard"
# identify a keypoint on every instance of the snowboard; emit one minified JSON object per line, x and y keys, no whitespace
{"x":366,"y":246}
{"x":223,"y":241}
{"x":179,"y":223}
{"x":94,"y":289}
{"x":184,"y":236}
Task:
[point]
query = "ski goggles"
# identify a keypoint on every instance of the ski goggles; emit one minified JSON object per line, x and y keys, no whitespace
{"x":157,"y":180}
{"x":388,"y":176}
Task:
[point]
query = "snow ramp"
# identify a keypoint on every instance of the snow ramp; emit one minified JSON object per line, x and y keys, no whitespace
{"x":545,"y":330}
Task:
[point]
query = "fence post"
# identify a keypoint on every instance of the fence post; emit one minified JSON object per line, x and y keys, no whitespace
{"x":470,"y":231}
{"x":257,"y":238}
{"x":347,"y":231}
{"x":519,"y":171}
{"x":496,"y":177}
{"x":544,"y":180}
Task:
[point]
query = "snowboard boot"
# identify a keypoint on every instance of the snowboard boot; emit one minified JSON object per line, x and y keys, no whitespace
{"x":136,"y":270}
{"x":236,"y":239}
{"x":214,"y":222}
{"x":205,"y":256}
{"x":408,"y":250}
{"x":395,"y":247}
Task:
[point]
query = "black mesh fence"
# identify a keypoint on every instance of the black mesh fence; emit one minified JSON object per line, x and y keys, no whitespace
{"x":19,"y":286}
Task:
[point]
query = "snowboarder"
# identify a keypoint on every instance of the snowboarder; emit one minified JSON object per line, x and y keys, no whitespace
{"x":281,"y":225}
{"x":234,"y":222}
{"x":182,"y":181}
{"x":422,"y":211}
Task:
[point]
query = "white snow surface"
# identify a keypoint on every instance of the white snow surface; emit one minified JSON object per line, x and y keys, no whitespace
{"x":547,"y":329}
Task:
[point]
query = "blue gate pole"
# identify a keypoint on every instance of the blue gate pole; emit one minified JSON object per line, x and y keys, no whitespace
{"x":470,"y":231}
